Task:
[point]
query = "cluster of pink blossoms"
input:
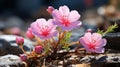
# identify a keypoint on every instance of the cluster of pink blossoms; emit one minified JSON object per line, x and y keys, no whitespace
{"x":63,"y":18}
{"x":66,"y":20}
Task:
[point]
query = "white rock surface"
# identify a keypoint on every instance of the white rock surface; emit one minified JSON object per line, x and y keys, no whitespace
{"x":11,"y":39}
{"x":8,"y":60}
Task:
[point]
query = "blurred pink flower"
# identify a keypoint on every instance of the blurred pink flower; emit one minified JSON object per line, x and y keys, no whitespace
{"x":23,"y":57}
{"x":44,"y":29}
{"x":29,"y":34}
{"x":93,"y":42}
{"x":19,"y":40}
{"x":38,"y":49}
{"x":15,"y":30}
{"x":65,"y":19}
{"x":50,"y":9}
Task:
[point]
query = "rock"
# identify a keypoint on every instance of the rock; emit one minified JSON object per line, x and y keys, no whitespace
{"x":113,"y":41}
{"x":2,"y":26}
{"x":6,"y":48}
{"x":14,"y":21}
{"x":102,"y":58}
{"x":107,"y":58}
{"x":8,"y":45}
{"x":114,"y":58}
{"x":87,"y":59}
{"x":11,"y":61}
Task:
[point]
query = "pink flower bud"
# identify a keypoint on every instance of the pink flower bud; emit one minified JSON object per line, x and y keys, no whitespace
{"x":19,"y":40}
{"x":29,"y":34}
{"x":50,"y":9}
{"x":89,"y":30}
{"x":23,"y":57}
{"x":38,"y":49}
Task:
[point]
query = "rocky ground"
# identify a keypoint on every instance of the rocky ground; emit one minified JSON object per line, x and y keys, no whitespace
{"x":11,"y":61}
{"x":9,"y":54}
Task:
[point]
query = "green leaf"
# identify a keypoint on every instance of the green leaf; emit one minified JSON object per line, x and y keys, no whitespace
{"x":66,"y":38}
{"x":64,"y":42}
{"x":66,"y":47}
{"x":47,"y":47}
{"x":100,"y":31}
{"x":110,"y":29}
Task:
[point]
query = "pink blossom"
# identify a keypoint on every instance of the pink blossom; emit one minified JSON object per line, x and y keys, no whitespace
{"x":23,"y":57}
{"x":93,"y":42}
{"x":19,"y":40}
{"x":29,"y":34}
{"x":38,"y":49}
{"x":44,"y":29}
{"x":50,"y":9}
{"x":65,"y":18}
{"x":15,"y":30}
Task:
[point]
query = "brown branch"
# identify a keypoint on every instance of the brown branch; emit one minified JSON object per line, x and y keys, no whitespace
{"x":73,"y":43}
{"x":21,"y":47}
{"x":58,"y":41}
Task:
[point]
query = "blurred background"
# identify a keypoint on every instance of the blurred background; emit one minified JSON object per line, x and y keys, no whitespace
{"x":16,"y":15}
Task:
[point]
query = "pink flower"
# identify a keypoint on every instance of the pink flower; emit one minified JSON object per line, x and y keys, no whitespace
{"x":15,"y":30}
{"x":38,"y":49}
{"x":44,"y":29}
{"x":50,"y":9}
{"x":23,"y":57}
{"x":29,"y":34}
{"x":65,"y":19}
{"x":93,"y":42}
{"x":19,"y":40}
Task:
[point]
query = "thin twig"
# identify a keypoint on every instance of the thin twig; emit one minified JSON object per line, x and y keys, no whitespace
{"x":21,"y":47}
{"x":73,"y":43}
{"x":61,"y":35}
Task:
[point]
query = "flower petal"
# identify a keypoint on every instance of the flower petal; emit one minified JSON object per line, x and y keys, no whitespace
{"x":90,"y":50}
{"x":34,"y":26}
{"x":104,"y":42}
{"x":53,"y":33}
{"x":74,"y":16}
{"x":88,"y":37}
{"x":76,"y":24}
{"x":50,"y":23}
{"x":96,"y":36}
{"x":100,"y":50}
{"x":64,"y":10}
{"x":101,"y":43}
{"x":56,"y":15}
{"x":83,"y":42}
{"x":73,"y":25}
{"x":42,"y":21}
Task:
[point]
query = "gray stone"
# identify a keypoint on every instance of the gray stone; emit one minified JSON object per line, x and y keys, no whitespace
{"x":107,"y":58}
{"x":11,"y":61}
{"x":8,"y":45}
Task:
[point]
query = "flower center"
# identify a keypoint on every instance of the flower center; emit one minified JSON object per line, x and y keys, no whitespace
{"x":65,"y":22}
{"x":45,"y":33}
{"x":45,"y":30}
{"x":91,"y":46}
